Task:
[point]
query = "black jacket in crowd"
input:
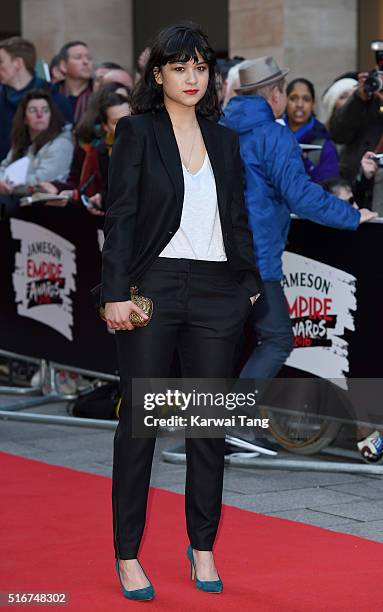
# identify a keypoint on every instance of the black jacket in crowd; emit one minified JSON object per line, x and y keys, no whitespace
{"x":358,"y":125}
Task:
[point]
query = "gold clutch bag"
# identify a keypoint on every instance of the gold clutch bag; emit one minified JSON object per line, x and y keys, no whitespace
{"x":146,"y":304}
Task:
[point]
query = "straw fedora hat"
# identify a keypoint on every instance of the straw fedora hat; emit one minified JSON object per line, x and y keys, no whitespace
{"x":259,"y":72}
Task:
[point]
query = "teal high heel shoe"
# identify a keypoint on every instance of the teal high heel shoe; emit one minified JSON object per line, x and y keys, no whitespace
{"x":209,"y":586}
{"x":145,"y":594}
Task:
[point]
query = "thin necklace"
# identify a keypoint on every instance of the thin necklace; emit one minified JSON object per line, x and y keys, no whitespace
{"x":192,"y":149}
{"x":187,"y":166}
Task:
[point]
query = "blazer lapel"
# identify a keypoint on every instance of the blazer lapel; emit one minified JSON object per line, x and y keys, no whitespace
{"x":170,"y":156}
{"x":215,"y":150}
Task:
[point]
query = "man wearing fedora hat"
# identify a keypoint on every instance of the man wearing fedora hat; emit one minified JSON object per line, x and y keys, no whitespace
{"x":258,"y":73}
{"x":276,"y":184}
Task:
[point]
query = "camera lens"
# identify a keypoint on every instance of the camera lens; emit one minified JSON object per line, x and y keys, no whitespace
{"x":373,"y":83}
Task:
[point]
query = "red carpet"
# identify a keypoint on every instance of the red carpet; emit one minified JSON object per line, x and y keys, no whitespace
{"x":56,"y":537}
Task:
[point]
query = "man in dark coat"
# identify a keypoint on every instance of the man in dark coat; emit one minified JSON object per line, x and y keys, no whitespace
{"x":76,"y":64}
{"x":359,"y":126}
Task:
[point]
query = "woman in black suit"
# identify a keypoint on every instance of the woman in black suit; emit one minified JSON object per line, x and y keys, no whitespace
{"x":176,"y":227}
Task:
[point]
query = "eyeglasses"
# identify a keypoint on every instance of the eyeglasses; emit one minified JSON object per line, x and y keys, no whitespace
{"x":33,"y":110}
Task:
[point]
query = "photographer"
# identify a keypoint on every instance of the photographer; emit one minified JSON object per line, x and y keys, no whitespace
{"x":360,"y":192}
{"x":358,"y":125}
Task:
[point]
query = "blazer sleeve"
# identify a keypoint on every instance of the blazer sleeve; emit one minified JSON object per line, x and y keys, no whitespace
{"x":248,"y":273}
{"x":120,"y":219}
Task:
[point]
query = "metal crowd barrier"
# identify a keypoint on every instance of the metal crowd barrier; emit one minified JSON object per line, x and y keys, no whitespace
{"x":51,"y":351}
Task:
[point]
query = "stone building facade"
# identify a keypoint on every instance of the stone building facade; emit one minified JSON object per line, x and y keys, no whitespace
{"x":319,"y":39}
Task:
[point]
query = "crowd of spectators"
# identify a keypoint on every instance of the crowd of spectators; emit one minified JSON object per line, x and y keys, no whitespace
{"x":65,"y":126}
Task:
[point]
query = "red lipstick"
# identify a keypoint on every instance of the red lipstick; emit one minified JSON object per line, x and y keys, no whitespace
{"x":191,"y":92}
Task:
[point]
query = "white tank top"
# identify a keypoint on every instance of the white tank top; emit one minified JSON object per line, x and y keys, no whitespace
{"x":199,"y":235}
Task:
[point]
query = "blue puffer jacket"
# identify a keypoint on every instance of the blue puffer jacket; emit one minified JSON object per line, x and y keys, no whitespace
{"x":276,"y":183}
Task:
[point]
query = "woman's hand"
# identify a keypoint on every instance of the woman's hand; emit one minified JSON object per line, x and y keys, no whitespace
{"x":6,"y":187}
{"x":369,"y":167}
{"x":117,"y":314}
{"x":362,"y":76}
{"x":47,"y":187}
{"x":96,"y":200}
{"x":67,"y":195}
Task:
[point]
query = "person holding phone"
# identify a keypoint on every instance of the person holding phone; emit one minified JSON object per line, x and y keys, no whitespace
{"x":175,"y":227}
{"x":358,"y":125}
{"x":92,"y":173}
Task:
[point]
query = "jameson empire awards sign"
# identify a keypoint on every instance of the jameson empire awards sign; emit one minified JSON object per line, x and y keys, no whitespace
{"x":44,"y":276}
{"x":321,"y":301}
{"x":50,"y":260}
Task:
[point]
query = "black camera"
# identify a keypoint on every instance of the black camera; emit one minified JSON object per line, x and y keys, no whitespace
{"x":374,"y":81}
{"x":378,"y":159}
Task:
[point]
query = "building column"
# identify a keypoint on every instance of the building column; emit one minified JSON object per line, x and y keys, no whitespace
{"x":316,"y":40}
{"x":106,"y":27}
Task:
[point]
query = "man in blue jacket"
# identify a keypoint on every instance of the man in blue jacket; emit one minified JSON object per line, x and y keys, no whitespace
{"x":276,"y":184}
{"x":17,"y":77}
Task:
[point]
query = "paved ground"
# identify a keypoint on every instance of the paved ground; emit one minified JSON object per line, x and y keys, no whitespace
{"x":341,"y":502}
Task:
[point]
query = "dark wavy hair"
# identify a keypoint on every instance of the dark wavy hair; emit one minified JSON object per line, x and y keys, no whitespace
{"x":20,"y":139}
{"x":177,"y":43}
{"x":88,"y":128}
{"x":113,"y":99}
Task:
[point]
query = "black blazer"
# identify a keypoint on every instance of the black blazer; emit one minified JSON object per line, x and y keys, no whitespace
{"x":145,"y":199}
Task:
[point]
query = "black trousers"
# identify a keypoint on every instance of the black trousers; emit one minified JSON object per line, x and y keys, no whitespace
{"x":199,"y":310}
